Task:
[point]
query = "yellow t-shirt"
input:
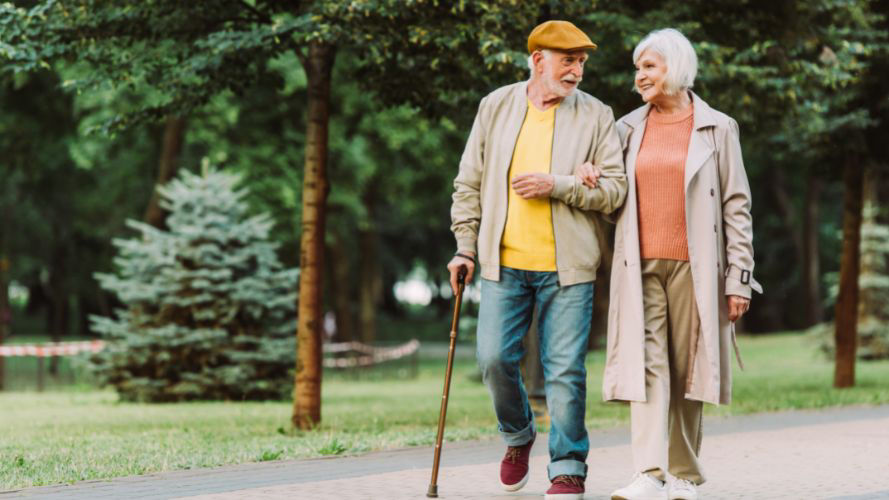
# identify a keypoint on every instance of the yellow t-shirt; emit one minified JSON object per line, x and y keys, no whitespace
{"x":528,"y":242}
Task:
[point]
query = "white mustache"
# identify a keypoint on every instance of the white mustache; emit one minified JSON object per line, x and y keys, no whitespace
{"x":571,"y":79}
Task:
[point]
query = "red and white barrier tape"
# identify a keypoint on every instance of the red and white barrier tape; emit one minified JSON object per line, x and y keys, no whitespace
{"x":52,"y":349}
{"x":370,"y":354}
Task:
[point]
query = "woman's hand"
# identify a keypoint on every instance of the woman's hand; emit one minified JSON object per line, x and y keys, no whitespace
{"x":588,"y":174}
{"x":737,"y":306}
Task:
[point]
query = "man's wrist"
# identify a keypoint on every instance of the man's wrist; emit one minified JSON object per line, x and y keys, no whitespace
{"x":465,"y":255}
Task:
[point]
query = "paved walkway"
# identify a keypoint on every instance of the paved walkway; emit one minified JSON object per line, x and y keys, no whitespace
{"x":837,"y":454}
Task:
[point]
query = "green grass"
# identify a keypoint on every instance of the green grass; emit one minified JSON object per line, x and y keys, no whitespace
{"x":61,"y":437}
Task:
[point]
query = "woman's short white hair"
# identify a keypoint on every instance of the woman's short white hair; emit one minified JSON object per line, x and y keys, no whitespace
{"x":678,"y":55}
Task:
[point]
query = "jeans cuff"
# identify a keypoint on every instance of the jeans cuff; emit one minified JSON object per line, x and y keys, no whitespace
{"x":521,"y":437}
{"x":566,"y":468}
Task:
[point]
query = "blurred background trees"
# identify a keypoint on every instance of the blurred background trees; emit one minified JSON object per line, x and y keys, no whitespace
{"x":100,"y":102}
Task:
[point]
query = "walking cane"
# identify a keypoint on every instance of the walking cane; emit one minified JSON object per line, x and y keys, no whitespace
{"x":461,"y":284}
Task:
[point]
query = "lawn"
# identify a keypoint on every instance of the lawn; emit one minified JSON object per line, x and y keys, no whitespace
{"x":67,"y":436}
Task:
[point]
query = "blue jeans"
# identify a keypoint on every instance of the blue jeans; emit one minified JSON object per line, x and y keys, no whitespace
{"x":564,"y":315}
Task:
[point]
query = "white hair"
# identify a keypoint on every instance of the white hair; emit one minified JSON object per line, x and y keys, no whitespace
{"x":546,"y":55}
{"x":678,"y":55}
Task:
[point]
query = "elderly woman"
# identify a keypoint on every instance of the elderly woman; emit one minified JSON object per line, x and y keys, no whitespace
{"x":682,"y":269}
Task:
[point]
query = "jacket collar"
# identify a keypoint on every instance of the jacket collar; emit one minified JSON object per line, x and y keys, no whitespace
{"x":703,"y":114}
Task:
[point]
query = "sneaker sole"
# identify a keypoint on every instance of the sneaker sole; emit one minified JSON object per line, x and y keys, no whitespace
{"x":517,"y":486}
{"x":564,"y":496}
{"x":621,"y":497}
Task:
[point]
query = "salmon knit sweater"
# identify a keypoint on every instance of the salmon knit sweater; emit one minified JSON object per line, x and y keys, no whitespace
{"x":660,"y":185}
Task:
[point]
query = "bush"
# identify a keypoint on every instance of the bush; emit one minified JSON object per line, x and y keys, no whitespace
{"x":209,"y":313}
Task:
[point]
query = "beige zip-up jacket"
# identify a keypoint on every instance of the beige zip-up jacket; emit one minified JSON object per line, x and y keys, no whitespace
{"x":584,"y":131}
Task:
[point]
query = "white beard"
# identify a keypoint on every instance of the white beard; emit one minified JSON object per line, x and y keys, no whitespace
{"x":554,"y":86}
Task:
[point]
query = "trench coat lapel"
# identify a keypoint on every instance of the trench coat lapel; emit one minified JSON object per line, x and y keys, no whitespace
{"x":633,"y":151}
{"x":699,"y":146}
{"x":635,"y":121}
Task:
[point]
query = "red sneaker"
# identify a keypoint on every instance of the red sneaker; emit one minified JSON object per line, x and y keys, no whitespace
{"x":514,"y":466}
{"x":566,"y":488}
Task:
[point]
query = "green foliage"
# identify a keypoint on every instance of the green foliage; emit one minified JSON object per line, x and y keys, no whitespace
{"x":188,"y":52}
{"x":209,"y":311}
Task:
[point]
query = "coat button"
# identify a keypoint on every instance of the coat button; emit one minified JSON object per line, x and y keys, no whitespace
{"x":625,"y":263}
{"x":711,"y":192}
{"x":714,"y":228}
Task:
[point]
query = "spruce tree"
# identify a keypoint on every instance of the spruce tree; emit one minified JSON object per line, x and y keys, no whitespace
{"x":209,"y":311}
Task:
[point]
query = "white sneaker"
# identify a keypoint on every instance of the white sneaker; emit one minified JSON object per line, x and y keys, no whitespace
{"x":644,"y":487}
{"x":683,"y":489}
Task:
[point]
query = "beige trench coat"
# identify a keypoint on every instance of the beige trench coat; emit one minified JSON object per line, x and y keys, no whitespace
{"x":720,"y":248}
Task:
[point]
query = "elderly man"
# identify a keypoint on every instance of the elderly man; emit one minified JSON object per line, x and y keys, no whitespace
{"x":533,"y":224}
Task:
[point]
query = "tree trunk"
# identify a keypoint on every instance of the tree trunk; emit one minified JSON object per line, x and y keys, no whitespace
{"x":174,"y":131}
{"x":371,"y":285}
{"x":872,"y":265}
{"x":307,"y":388}
{"x":847,"y":301}
{"x":811,"y":266}
{"x":341,"y":289}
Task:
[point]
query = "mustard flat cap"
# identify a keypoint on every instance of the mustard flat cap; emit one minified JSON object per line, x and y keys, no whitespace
{"x":558,"y":35}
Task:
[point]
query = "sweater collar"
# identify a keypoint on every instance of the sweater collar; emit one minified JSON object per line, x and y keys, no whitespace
{"x":703,"y":114}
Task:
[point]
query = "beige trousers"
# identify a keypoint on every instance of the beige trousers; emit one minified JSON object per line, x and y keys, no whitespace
{"x":666,"y":429}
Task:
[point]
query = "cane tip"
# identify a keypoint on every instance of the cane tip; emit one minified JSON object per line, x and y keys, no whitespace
{"x":433,"y":491}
